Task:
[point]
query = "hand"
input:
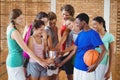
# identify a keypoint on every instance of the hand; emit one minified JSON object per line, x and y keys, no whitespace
{"x":59,"y":65}
{"x":49,"y":61}
{"x":44,"y":64}
{"x":92,"y":68}
{"x":61,"y":53}
{"x":107,"y":75}
{"x":55,"y":49}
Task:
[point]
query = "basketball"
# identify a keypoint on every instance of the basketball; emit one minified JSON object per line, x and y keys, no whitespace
{"x":90,"y":57}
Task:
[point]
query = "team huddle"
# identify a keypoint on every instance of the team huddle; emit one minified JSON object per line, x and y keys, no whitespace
{"x":83,"y":52}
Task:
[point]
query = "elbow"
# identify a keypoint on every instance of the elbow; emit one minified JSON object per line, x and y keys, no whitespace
{"x":104,"y":51}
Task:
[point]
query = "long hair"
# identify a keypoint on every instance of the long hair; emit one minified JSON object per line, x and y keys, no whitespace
{"x":13,"y":15}
{"x":100,"y":20}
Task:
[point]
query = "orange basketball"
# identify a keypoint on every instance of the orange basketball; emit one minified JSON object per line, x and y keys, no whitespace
{"x":90,"y":57}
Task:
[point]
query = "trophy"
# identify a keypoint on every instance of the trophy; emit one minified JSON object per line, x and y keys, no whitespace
{"x":52,"y":55}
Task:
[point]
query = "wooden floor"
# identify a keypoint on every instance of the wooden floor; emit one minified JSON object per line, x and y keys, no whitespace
{"x":62,"y":76}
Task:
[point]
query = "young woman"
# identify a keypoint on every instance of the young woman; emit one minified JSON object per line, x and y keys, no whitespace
{"x":16,"y":44}
{"x":52,"y":31}
{"x":104,"y":68}
{"x":28,"y":31}
{"x":37,"y":44}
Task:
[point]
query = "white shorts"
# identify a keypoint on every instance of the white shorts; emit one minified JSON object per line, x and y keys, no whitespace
{"x":100,"y":72}
{"x":16,"y":73}
{"x":83,"y":75}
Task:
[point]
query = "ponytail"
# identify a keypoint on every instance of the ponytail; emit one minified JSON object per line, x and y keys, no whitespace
{"x":13,"y":23}
{"x":100,"y":19}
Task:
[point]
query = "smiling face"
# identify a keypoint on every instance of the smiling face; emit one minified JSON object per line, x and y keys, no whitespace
{"x":19,"y":20}
{"x":52,"y":23}
{"x":65,"y":15}
{"x":79,"y":23}
{"x":39,"y":30}
{"x":96,"y":25}
{"x":70,"y":24}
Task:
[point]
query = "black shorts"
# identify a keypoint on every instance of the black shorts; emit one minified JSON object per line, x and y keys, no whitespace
{"x":68,"y":66}
{"x":25,"y":62}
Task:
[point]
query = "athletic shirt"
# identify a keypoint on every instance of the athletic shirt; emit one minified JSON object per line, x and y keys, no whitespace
{"x":107,"y":39}
{"x":38,"y":49}
{"x":86,"y":40}
{"x":14,"y":58}
{"x":61,"y":32}
{"x":27,"y":35}
{"x":52,"y":34}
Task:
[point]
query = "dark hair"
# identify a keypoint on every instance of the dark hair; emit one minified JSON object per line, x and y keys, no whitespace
{"x":52,"y":16}
{"x":100,"y":20}
{"x":37,"y":24}
{"x":41,"y":15}
{"x":13,"y":15}
{"x":71,"y":19}
{"x":83,"y":17}
{"x":69,"y":8}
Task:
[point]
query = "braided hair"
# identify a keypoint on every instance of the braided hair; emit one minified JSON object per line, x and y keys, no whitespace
{"x":13,"y":15}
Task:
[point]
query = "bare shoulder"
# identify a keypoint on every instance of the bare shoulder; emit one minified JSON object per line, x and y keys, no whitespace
{"x":30,"y":39}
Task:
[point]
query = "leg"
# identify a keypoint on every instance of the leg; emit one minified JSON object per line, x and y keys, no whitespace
{"x":53,"y":77}
{"x":83,"y":75}
{"x":43,"y":78}
{"x":76,"y":73}
{"x":33,"y":78}
{"x":16,"y":73}
{"x":100,"y":72}
{"x":69,"y":70}
{"x":70,"y":77}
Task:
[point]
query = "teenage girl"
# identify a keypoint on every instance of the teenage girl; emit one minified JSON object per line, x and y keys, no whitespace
{"x":37,"y":44}
{"x":16,"y":44}
{"x":104,"y":68}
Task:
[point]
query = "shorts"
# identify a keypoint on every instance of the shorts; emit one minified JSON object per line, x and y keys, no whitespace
{"x":36,"y":70}
{"x":25,"y":62}
{"x":68,"y":66}
{"x":16,"y":73}
{"x":100,"y":72}
{"x":83,"y":75}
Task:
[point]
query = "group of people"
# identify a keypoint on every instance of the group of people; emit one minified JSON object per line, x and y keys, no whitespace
{"x":28,"y":56}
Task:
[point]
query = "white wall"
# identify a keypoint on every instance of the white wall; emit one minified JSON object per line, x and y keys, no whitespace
{"x":107,"y":13}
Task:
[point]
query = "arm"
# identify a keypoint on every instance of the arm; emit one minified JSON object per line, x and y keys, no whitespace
{"x":68,"y":49}
{"x":111,"y":52}
{"x":49,"y":40}
{"x":64,"y":37}
{"x":68,"y":57}
{"x":25,"y":30}
{"x":16,"y":36}
{"x":103,"y":51}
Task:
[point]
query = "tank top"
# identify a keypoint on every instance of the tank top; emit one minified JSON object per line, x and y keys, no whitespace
{"x":61,"y":32}
{"x":38,"y":49}
{"x":14,"y":58}
{"x":52,"y":34}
